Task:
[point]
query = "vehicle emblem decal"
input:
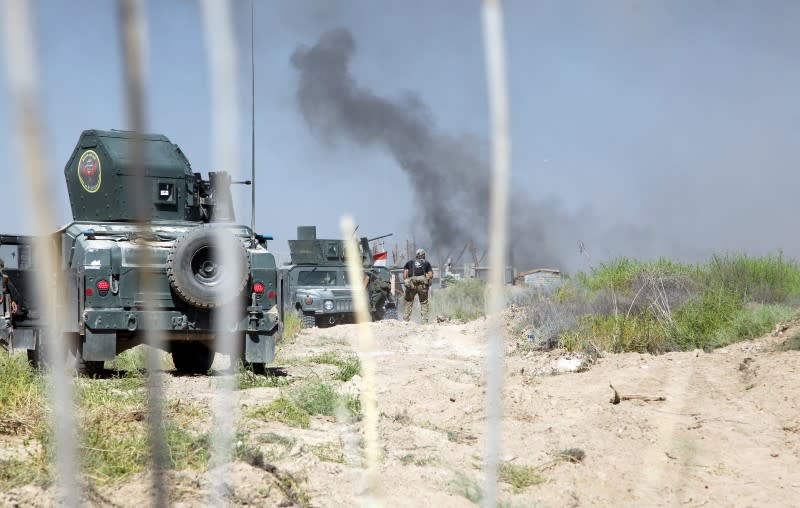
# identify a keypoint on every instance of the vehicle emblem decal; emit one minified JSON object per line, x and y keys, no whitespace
{"x":89,"y":172}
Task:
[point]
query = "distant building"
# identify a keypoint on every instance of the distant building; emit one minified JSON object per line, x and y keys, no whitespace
{"x":540,"y":278}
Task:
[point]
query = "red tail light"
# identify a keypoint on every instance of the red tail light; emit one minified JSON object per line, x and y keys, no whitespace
{"x":271,"y":294}
{"x":89,"y":291}
{"x":102,"y":287}
{"x":259,"y":288}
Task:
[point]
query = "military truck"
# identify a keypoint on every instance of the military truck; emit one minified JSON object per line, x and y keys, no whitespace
{"x":105,"y":252}
{"x":314,"y":286}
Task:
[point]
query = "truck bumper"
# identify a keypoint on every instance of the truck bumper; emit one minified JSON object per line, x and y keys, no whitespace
{"x":117,"y":320}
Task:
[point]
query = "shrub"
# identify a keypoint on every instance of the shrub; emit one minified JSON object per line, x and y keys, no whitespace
{"x":752,"y":321}
{"x":655,"y":306}
{"x":464,"y":300}
{"x":766,"y":279}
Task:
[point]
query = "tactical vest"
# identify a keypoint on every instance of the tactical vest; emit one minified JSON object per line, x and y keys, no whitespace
{"x":419,"y":267}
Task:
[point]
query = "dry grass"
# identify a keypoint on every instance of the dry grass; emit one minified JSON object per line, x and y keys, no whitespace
{"x":21,"y":396}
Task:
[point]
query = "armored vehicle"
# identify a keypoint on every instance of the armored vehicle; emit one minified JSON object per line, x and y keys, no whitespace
{"x":314,"y":285}
{"x":121,"y":278}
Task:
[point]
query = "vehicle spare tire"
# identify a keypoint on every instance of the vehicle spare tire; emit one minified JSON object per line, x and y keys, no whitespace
{"x":195,"y":270}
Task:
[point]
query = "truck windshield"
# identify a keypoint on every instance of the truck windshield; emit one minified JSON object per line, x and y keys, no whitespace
{"x":318,"y":278}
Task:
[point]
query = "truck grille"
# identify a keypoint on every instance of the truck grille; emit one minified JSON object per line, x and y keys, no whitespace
{"x":343,"y":305}
{"x":341,"y":292}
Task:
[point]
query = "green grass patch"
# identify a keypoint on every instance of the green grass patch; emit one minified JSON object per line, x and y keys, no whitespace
{"x":410,"y":459}
{"x":112,"y":426}
{"x":291,"y":326}
{"x":22,"y":396}
{"x":16,"y":473}
{"x":765,"y":279}
{"x":273,"y":438}
{"x":114,"y":434}
{"x":319,"y":398}
{"x":295,"y":407}
{"x":329,"y":452}
{"x":519,"y":476}
{"x":349,"y":365}
{"x":281,"y":410}
{"x":463,"y":300}
{"x":752,"y":321}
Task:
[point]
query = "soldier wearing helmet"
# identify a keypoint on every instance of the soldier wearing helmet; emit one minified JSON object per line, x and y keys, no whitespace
{"x":417,"y":277}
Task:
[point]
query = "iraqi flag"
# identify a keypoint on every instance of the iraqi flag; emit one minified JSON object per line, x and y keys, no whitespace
{"x":380,"y":258}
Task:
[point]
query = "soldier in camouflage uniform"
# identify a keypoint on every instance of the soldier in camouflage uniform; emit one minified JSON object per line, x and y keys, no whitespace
{"x":417,"y":277}
{"x":5,"y":302}
{"x":378,"y":292}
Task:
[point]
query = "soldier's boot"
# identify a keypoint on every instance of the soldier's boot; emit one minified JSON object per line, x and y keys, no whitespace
{"x":423,"y":304}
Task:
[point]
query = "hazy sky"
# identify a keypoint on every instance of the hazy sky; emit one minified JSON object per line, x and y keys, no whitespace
{"x":639,"y":128}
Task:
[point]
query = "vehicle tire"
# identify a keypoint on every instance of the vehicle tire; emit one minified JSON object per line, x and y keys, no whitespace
{"x":307,"y":320}
{"x":91,"y":368}
{"x":192,"y":357}
{"x":36,"y":358}
{"x":391,"y":313}
{"x":195,"y":274}
{"x":257,"y":368}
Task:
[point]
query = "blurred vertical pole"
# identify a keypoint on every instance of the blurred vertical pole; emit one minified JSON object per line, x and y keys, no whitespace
{"x":132,"y":32}
{"x":222,"y":59}
{"x":366,"y":350}
{"x":21,"y":64}
{"x":498,"y":218}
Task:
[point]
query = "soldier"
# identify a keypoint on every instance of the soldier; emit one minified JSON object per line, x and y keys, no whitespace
{"x":378,"y":291}
{"x":417,"y":277}
{"x":4,"y":291}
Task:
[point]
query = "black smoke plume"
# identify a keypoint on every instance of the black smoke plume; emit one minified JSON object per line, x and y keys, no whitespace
{"x":450,"y":175}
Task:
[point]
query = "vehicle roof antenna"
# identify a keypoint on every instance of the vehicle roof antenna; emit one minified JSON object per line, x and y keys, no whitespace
{"x":252,"y":131}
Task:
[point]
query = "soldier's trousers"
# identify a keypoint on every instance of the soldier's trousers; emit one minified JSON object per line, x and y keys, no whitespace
{"x":416,"y":289}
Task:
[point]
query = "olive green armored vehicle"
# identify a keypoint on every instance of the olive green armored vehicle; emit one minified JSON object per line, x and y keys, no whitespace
{"x":314,"y":285}
{"x":119,"y":278}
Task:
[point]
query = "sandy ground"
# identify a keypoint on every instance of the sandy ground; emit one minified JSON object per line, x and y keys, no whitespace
{"x":728,"y":433}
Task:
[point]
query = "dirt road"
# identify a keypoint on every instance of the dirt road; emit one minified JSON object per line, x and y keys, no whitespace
{"x":728,"y":433}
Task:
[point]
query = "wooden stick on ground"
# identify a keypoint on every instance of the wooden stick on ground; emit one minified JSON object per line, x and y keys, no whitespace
{"x":617,"y":398}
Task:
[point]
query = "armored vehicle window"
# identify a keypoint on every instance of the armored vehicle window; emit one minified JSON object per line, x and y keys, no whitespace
{"x":318,"y":278}
{"x":16,"y":256}
{"x":332,"y":252}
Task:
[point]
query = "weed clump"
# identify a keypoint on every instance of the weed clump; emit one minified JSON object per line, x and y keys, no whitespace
{"x":297,"y":405}
{"x":281,"y":410}
{"x":349,"y":365}
{"x":518,"y":476}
